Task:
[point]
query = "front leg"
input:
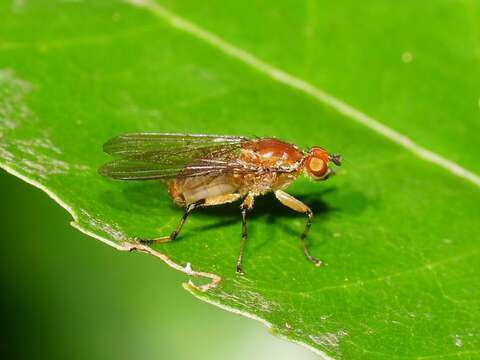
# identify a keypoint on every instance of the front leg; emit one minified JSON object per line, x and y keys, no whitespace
{"x":297,"y":205}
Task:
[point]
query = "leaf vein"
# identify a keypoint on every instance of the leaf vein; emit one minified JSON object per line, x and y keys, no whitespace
{"x":424,"y":267}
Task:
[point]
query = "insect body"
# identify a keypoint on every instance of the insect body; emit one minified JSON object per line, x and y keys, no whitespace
{"x":207,"y":170}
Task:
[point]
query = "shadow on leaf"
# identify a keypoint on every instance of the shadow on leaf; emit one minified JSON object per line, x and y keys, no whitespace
{"x":152,"y":198}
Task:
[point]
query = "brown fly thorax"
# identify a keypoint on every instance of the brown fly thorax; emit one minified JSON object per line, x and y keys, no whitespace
{"x":271,"y":153}
{"x":279,"y":164}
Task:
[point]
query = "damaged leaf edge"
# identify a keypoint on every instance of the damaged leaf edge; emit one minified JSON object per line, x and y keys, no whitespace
{"x":125,"y":246}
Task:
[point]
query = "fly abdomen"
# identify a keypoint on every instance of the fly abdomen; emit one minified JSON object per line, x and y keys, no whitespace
{"x":203,"y":188}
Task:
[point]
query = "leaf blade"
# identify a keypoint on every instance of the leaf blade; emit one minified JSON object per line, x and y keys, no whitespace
{"x":396,"y":261}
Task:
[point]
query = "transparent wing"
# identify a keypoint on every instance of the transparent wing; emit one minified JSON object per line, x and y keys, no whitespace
{"x":128,"y":169}
{"x":163,"y":147}
{"x":145,"y":156}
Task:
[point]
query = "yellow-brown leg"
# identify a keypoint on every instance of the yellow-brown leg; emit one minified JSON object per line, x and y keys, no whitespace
{"x":177,"y":230}
{"x":246,"y":205}
{"x":295,"y":204}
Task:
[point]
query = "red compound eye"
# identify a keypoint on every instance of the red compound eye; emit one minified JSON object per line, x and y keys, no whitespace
{"x":316,"y":163}
{"x":316,"y":166}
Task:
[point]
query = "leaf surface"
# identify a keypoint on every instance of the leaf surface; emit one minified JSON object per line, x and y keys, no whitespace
{"x":397,"y":231}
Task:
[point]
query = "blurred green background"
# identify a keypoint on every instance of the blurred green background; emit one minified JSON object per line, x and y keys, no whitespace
{"x":65,"y":295}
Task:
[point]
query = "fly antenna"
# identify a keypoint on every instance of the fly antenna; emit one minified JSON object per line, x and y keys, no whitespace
{"x":336,"y":159}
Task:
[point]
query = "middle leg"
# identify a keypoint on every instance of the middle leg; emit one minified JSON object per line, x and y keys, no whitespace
{"x":246,"y":205}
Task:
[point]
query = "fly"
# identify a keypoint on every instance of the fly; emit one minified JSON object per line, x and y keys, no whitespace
{"x":208,"y":170}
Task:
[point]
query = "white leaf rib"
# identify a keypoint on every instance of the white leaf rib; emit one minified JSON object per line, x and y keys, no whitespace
{"x":307,"y":88}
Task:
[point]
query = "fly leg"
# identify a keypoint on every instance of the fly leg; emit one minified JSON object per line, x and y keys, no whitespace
{"x":297,"y":205}
{"x":177,"y":230}
{"x":246,"y":205}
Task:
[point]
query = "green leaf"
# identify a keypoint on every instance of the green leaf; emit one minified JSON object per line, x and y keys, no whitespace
{"x":396,"y":226}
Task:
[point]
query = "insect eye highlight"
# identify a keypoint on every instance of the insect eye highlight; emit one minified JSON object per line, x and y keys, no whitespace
{"x":316,"y":167}
{"x":316,"y":164}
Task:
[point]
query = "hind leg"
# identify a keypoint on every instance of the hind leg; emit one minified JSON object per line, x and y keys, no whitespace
{"x":179,"y":227}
